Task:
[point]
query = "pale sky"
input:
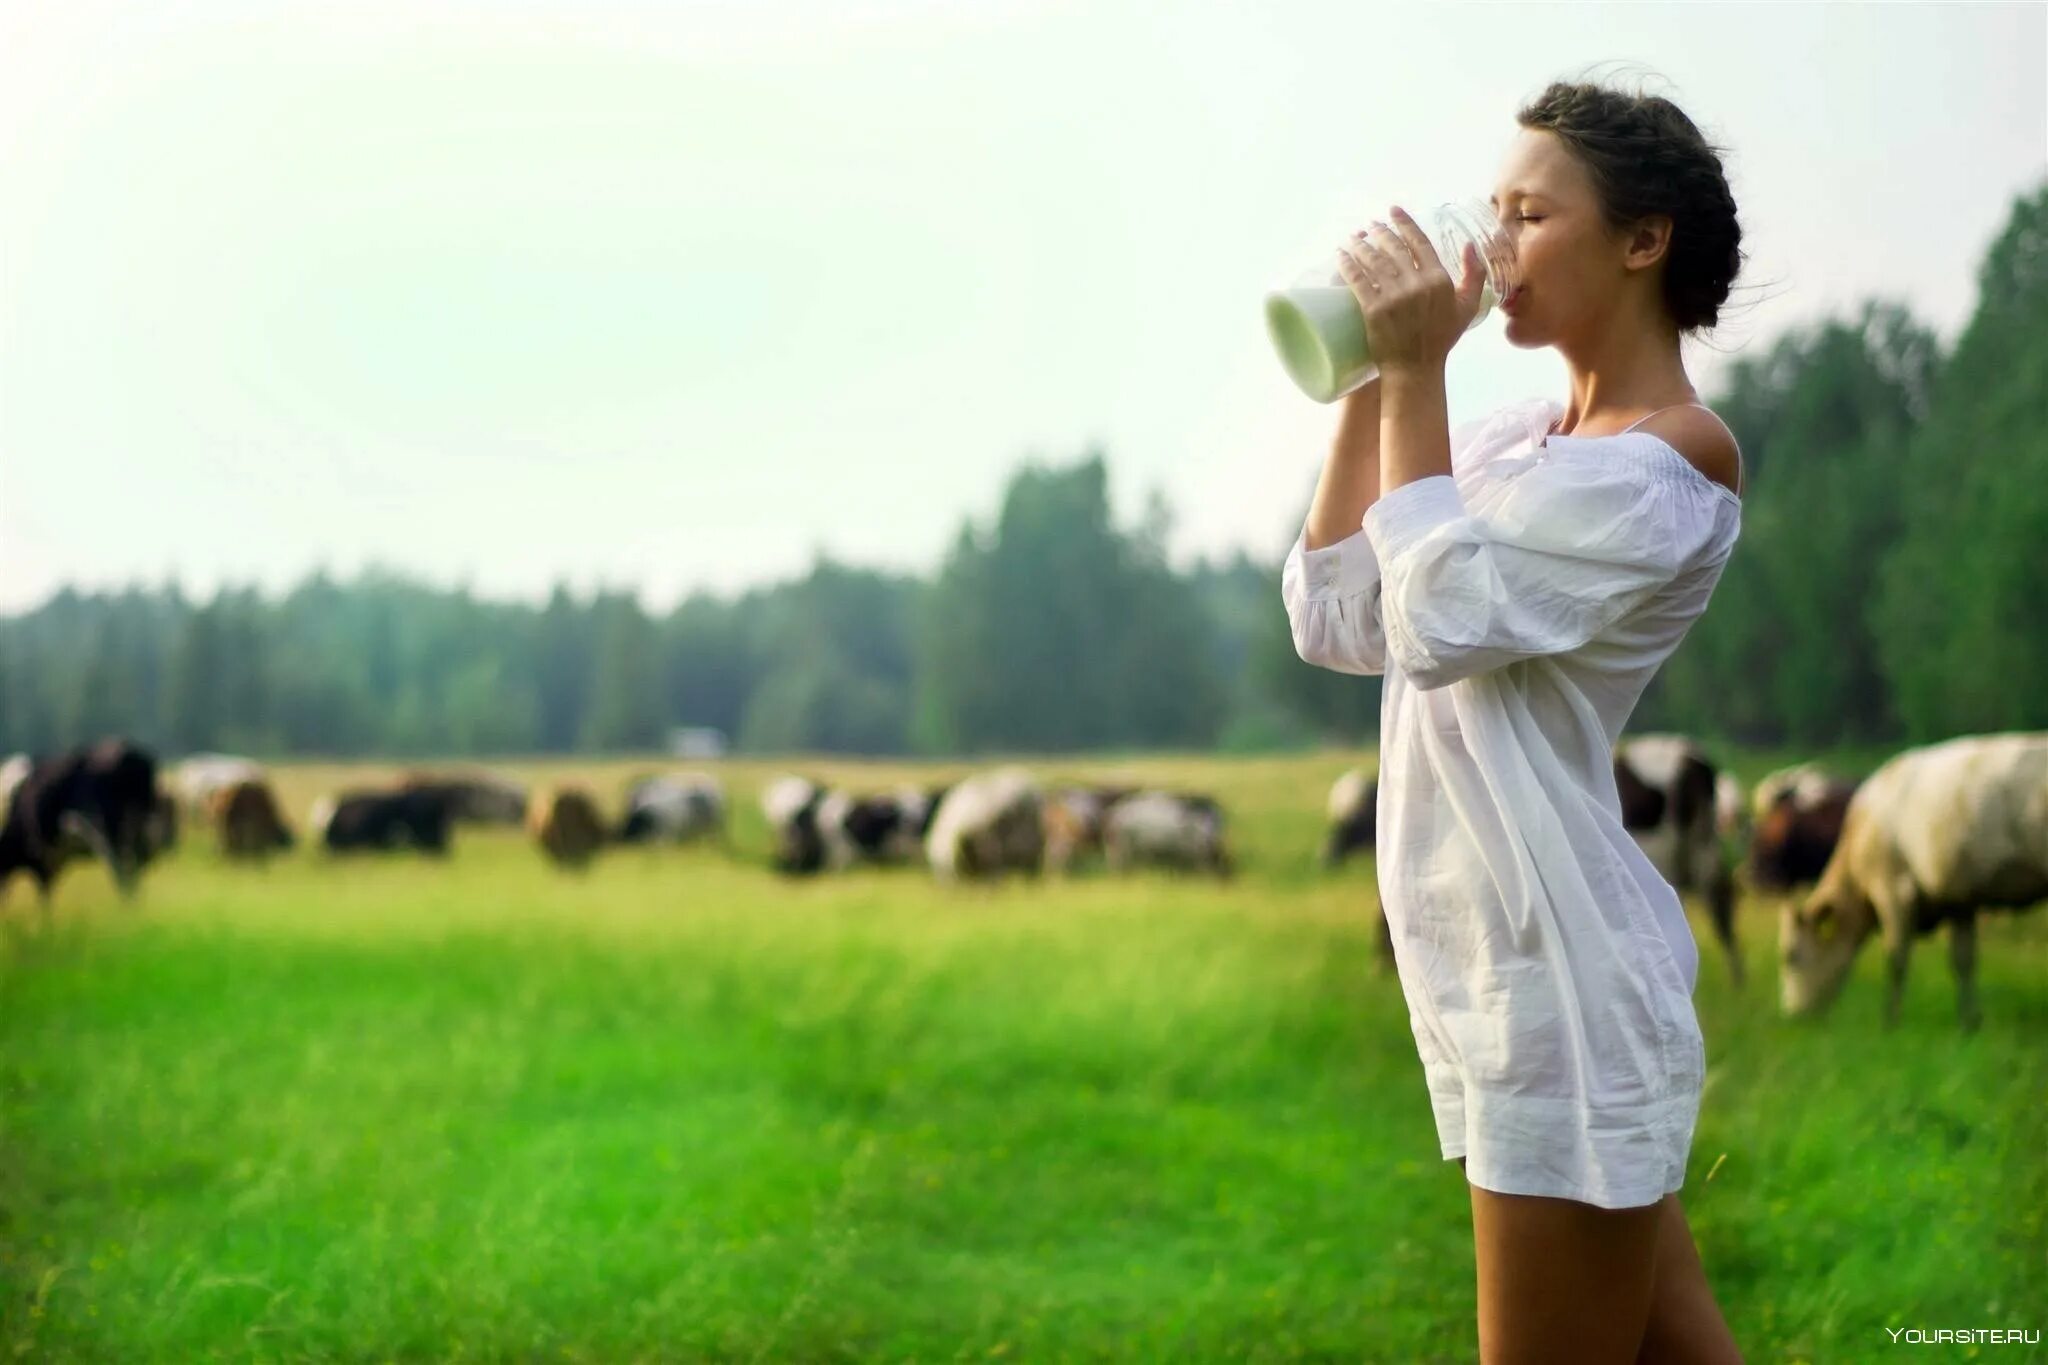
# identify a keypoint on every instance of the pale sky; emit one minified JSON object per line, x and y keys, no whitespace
{"x":675,"y":295}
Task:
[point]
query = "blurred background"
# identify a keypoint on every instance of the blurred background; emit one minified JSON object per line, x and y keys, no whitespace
{"x":550,"y":399}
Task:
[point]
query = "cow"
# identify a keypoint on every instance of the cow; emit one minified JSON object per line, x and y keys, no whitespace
{"x":1073,"y":823}
{"x":160,"y":831}
{"x":678,"y":808}
{"x":1175,"y":830}
{"x":418,"y":818}
{"x":1795,"y":827}
{"x":1935,"y":835}
{"x":1352,"y":810}
{"x":194,"y":780}
{"x":1808,"y":779}
{"x":565,"y":822}
{"x":1731,"y":808}
{"x":248,"y":822}
{"x":101,"y":800}
{"x":886,"y":828}
{"x":472,"y":798}
{"x":13,"y":772}
{"x":1667,"y":787}
{"x":790,"y":804}
{"x":990,"y":824}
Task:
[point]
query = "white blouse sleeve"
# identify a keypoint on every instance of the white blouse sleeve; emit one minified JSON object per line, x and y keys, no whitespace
{"x":1333,"y":593}
{"x":1566,"y":549}
{"x":1333,"y":604}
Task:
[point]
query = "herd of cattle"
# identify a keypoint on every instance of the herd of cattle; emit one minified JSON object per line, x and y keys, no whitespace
{"x":109,"y":800}
{"x":1934,"y":835}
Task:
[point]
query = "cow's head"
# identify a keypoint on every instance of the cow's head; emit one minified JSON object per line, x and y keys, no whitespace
{"x":1817,"y":943}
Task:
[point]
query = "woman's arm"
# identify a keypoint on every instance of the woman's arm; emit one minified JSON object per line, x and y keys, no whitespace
{"x":1415,"y":427}
{"x":1351,"y":474}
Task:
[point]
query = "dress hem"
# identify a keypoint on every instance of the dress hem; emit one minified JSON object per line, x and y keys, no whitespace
{"x":1625,"y":1197}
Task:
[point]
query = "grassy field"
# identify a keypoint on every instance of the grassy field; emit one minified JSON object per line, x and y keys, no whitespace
{"x":678,"y":1109}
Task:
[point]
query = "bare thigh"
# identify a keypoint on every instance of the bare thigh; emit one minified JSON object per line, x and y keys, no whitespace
{"x":1562,"y":1281}
{"x":1684,"y":1326}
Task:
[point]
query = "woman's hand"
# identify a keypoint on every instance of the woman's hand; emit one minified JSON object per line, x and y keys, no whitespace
{"x":1414,"y":312}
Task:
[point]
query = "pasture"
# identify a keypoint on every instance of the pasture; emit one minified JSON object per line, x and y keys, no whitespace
{"x":678,"y":1109}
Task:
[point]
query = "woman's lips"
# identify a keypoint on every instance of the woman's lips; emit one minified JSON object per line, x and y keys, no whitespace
{"x":1507,"y":305}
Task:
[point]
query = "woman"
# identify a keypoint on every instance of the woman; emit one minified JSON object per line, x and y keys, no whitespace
{"x":1519,"y":580}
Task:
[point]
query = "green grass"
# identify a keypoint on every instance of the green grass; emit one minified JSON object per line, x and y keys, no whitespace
{"x":680,"y":1110}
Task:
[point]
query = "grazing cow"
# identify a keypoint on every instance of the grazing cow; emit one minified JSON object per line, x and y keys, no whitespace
{"x":1731,"y":807}
{"x":1806,"y":779}
{"x":1173,"y":830}
{"x":1073,"y":824}
{"x":1667,"y":787}
{"x":564,"y":822}
{"x":195,"y":779}
{"x":473,"y":798}
{"x":1933,"y":836}
{"x":990,"y":824}
{"x":1352,"y":810}
{"x":790,"y":804}
{"x":160,"y":833}
{"x":13,"y":773}
{"x":248,"y":822}
{"x":1797,"y":824}
{"x":678,"y":808}
{"x":888,"y":828}
{"x":380,"y":821}
{"x":100,"y":800}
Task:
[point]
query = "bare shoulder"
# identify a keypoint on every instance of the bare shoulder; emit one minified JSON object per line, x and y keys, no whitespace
{"x":1704,"y":440}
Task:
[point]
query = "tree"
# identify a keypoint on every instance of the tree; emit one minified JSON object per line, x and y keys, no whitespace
{"x":1961,"y":611}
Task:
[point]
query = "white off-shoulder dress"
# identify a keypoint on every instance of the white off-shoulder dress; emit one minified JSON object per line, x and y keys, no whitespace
{"x":1518,"y":606}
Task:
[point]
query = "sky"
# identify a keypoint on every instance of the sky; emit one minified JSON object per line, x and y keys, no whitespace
{"x":682,"y":296}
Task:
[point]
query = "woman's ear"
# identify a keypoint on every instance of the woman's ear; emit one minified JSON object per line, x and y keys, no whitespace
{"x":1648,"y":241}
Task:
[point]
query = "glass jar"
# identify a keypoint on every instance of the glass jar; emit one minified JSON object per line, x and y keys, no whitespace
{"x":1316,"y":324}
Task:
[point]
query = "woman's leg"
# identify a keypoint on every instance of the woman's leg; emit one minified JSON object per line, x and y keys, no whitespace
{"x":1686,"y":1327}
{"x":1562,"y":1281}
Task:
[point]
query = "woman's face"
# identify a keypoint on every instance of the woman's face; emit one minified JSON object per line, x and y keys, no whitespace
{"x":1572,"y":267}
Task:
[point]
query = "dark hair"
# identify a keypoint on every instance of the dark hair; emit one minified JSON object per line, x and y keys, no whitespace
{"x":1646,"y":157}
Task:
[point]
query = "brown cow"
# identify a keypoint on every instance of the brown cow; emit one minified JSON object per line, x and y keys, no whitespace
{"x":248,"y":822}
{"x":1074,"y":822}
{"x":1798,"y":823}
{"x":1933,"y":836}
{"x":564,"y":821}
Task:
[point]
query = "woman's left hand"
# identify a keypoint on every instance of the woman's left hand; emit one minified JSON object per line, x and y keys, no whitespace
{"x":1414,"y":311}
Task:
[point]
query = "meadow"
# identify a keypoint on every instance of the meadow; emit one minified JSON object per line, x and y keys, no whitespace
{"x":679,"y":1109}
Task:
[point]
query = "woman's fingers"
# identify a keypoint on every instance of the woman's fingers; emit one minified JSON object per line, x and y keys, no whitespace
{"x":1389,"y":240}
{"x":1420,"y":247}
{"x":1356,"y":264}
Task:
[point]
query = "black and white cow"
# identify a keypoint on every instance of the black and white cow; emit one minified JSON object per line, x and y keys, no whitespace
{"x":1354,"y":798}
{"x":1182,"y":831}
{"x":1667,"y":786}
{"x":887,"y":828}
{"x":790,"y":805}
{"x":101,"y":800}
{"x":675,"y":808}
